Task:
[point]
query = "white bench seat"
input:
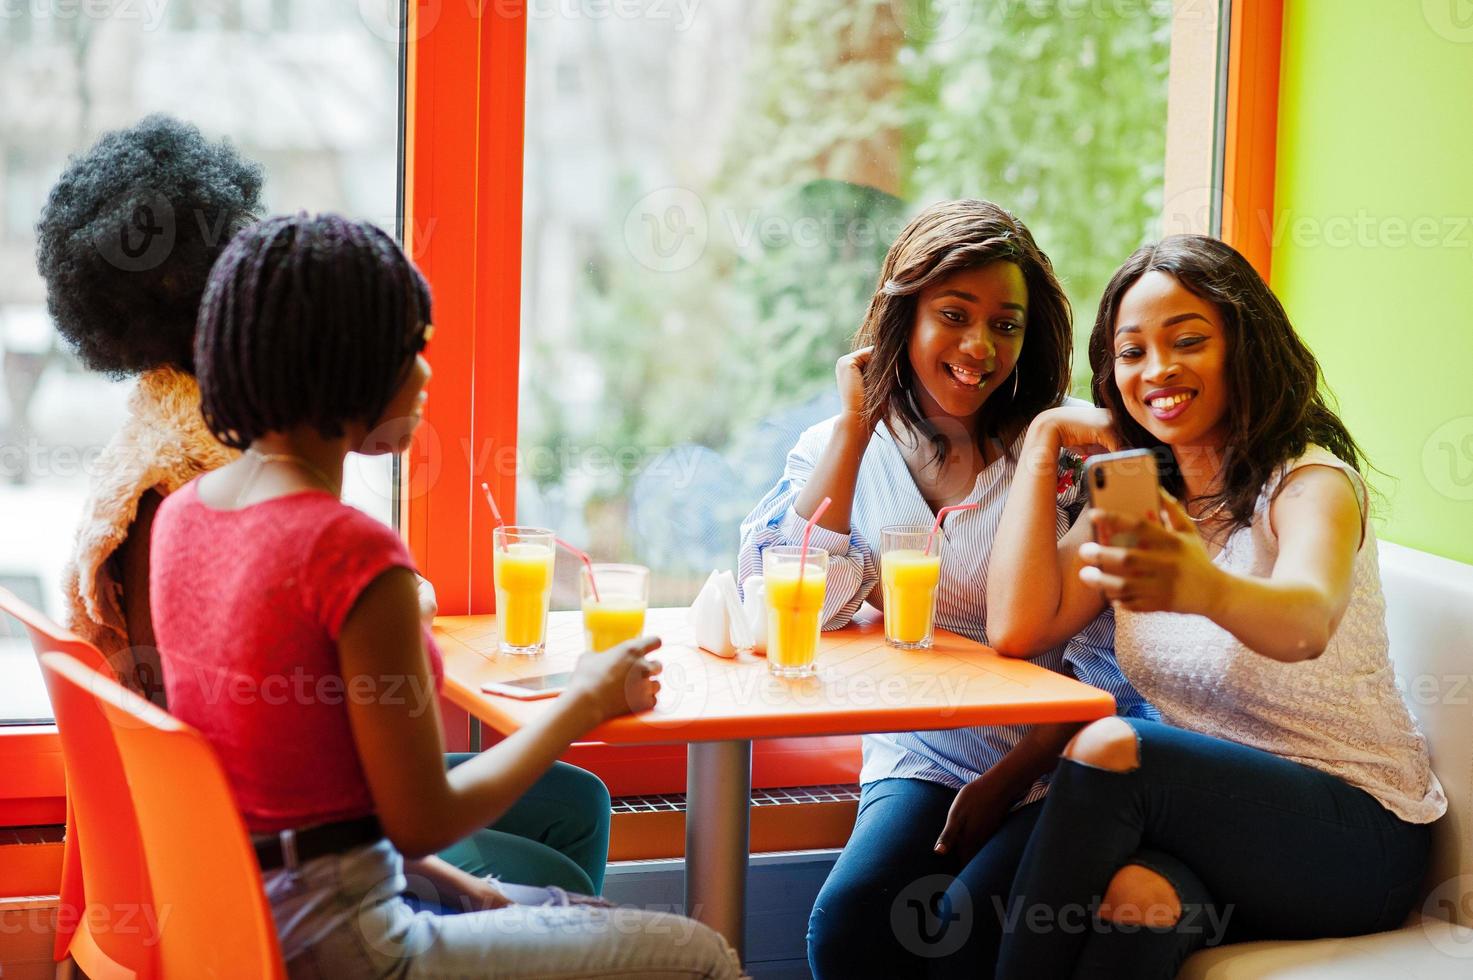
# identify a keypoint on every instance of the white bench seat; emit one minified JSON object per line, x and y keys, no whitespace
{"x":1429,"y":615}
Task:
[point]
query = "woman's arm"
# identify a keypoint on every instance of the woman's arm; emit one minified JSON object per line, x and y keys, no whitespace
{"x":133,"y":570}
{"x":813,"y":472}
{"x":1034,"y":597}
{"x":455,"y":889}
{"x":422,"y":807}
{"x":836,"y":473}
{"x":981,"y":806}
{"x":1289,"y":616}
{"x":1292,"y":614}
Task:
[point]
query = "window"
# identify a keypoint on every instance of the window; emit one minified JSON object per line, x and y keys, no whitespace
{"x":314,"y":99}
{"x":709,"y":192}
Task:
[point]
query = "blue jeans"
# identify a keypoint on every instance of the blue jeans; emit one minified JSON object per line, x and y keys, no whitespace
{"x":557,"y":833}
{"x":1256,"y":846}
{"x":882,"y":911}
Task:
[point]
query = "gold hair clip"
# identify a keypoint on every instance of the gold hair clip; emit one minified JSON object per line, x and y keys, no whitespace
{"x":429,"y":333}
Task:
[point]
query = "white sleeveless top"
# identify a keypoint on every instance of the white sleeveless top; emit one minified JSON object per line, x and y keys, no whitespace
{"x":1340,"y":713}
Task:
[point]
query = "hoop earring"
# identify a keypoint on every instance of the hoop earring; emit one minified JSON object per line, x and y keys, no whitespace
{"x":1015,"y":382}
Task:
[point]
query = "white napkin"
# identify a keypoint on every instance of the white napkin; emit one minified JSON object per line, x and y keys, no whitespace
{"x":720,"y":623}
{"x":754,"y":605}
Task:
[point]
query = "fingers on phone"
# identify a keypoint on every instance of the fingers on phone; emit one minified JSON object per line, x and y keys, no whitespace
{"x":1112,"y":585}
{"x":1106,"y":559}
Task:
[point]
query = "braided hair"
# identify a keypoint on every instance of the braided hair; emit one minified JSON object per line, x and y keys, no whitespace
{"x":307,"y":321}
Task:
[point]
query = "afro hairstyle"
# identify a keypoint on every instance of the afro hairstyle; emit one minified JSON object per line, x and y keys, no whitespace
{"x":127,"y":237}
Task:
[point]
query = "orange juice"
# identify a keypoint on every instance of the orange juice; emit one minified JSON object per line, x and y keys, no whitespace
{"x":523,"y":589}
{"x":794,"y":614}
{"x":909,"y":579}
{"x":611,"y":621}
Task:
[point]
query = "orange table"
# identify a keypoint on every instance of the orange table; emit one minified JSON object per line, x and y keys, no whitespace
{"x":718,"y":706}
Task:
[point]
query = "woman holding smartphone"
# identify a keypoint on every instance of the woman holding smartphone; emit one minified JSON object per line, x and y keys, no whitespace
{"x":1288,"y":792}
{"x":263,"y":582}
{"x":967,"y":338}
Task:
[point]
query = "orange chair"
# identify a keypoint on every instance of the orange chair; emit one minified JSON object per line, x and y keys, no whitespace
{"x":102,"y":861}
{"x":201,"y":867}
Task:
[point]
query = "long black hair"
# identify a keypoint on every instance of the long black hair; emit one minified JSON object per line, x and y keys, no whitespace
{"x":1276,"y":409}
{"x":307,"y":321}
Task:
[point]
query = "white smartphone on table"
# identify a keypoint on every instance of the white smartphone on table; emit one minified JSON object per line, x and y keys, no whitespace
{"x":531,"y":688}
{"x":1124,"y":483}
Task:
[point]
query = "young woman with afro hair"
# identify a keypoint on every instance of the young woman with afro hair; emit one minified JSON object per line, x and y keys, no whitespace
{"x":126,"y":241}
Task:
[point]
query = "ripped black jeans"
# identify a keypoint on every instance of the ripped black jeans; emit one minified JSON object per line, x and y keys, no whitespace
{"x":1256,"y":846}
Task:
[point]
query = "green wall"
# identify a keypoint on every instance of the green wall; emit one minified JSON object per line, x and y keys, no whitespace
{"x":1374,"y":255}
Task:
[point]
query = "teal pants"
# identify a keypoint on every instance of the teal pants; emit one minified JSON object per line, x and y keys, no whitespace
{"x":556,"y":834}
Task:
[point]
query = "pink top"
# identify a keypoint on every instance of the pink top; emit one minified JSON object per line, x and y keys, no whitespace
{"x":247,"y":606}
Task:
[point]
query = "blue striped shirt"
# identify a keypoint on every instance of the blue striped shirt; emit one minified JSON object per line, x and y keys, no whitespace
{"x":887,"y":494}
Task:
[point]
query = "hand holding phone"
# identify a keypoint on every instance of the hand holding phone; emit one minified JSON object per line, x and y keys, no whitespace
{"x":1124,"y":483}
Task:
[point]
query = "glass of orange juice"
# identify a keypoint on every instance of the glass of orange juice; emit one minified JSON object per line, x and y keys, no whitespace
{"x":618,"y":612}
{"x":794,"y":608}
{"x":522,"y":564}
{"x":909,"y":577}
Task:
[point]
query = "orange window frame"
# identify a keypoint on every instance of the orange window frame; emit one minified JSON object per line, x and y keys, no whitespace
{"x":465,"y":78}
{"x":1251,"y":137}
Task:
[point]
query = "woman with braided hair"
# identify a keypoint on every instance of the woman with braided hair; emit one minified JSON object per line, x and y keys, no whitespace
{"x":310,"y":338}
{"x":127,"y":304}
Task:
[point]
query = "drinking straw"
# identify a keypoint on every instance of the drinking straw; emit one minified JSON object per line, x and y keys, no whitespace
{"x":808,"y":530}
{"x":496,"y":513}
{"x":931,"y":538}
{"x":587,"y":563}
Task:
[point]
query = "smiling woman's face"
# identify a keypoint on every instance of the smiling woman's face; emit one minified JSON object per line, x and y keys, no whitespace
{"x":967,"y":336}
{"x":1170,"y":352}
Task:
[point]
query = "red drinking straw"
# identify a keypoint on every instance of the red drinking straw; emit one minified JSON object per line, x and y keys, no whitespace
{"x":496,"y":513}
{"x":587,"y":563}
{"x":808,"y":530}
{"x":931,"y":538}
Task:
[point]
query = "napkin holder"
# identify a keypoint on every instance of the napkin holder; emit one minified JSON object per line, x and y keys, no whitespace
{"x":720,"y":623}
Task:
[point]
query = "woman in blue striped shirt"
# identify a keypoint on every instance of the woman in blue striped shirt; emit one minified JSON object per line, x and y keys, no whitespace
{"x":935,"y":398}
